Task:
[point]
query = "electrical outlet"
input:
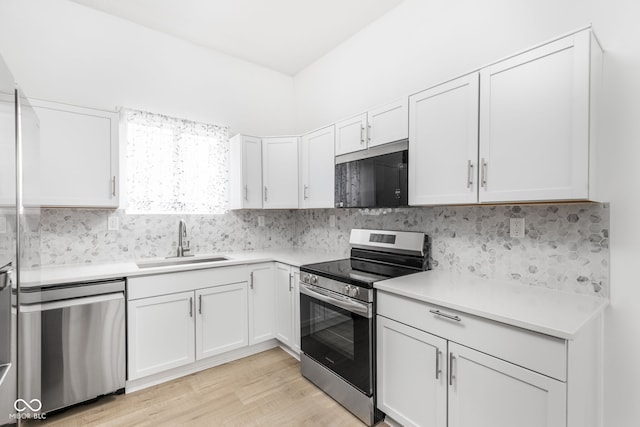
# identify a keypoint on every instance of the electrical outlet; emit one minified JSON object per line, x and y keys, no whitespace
{"x":113,"y":223}
{"x":260,"y":221}
{"x":516,"y":227}
{"x":332,"y":220}
{"x":3,"y":225}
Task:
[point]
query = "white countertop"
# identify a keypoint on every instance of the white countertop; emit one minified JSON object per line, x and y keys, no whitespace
{"x":70,"y":273}
{"x":557,"y":313}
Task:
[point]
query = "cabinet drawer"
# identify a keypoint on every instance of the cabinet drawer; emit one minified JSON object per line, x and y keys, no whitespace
{"x":537,"y":352}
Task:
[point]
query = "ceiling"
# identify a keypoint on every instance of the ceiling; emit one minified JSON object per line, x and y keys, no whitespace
{"x":284,"y":35}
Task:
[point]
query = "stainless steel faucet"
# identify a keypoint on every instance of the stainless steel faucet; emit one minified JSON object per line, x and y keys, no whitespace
{"x":182,"y":234}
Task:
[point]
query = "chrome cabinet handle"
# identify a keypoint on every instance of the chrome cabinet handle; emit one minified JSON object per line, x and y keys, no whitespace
{"x":190,"y":306}
{"x":451,"y":376}
{"x":200,"y":304}
{"x":290,"y":280}
{"x":246,"y":192}
{"x":361,"y":135}
{"x":438,"y":370}
{"x":483,"y":179}
{"x":113,"y":186}
{"x":265,"y":193}
{"x":369,"y":132}
{"x":305,"y":192}
{"x":469,"y":174}
{"x":251,"y":280}
{"x":448,"y":316}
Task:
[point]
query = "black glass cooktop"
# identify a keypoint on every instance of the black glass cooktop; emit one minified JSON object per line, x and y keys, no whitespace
{"x":356,"y":271}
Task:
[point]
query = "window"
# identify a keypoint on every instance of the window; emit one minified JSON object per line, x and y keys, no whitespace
{"x":175,"y":166}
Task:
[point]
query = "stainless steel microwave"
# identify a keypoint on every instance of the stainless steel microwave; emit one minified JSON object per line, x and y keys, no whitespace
{"x":373,"y":180}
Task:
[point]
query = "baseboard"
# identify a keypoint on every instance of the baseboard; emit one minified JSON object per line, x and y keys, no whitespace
{"x":289,"y":350}
{"x":200,"y":365}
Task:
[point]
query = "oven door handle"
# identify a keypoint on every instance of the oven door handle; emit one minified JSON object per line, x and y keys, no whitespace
{"x":362,"y":309}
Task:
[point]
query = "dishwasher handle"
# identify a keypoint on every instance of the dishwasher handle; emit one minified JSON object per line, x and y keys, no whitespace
{"x":31,"y":308}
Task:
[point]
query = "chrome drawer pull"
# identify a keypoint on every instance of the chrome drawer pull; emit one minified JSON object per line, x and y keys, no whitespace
{"x":448,"y":316}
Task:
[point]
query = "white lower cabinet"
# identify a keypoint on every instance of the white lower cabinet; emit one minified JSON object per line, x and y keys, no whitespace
{"x":487,"y":391}
{"x":287,"y":306}
{"x":296,"y":310}
{"x":160,"y":333}
{"x":262,"y":302}
{"x":411,"y":374}
{"x":221,"y":319}
{"x":177,"y":319}
{"x":438,"y":367}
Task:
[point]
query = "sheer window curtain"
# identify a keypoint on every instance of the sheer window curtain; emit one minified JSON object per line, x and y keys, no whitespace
{"x":174,"y":166}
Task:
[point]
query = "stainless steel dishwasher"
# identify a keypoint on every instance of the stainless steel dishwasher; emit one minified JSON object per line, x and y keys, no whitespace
{"x":73,"y":342}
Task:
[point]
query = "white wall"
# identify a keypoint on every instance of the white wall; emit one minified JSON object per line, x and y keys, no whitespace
{"x":421,"y":43}
{"x":62,"y":51}
{"x":615,"y":23}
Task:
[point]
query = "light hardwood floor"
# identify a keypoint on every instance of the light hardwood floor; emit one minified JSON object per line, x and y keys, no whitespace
{"x":265,"y":389}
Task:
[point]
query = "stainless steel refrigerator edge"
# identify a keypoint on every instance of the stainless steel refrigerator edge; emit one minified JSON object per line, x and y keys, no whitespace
{"x":19,"y":227}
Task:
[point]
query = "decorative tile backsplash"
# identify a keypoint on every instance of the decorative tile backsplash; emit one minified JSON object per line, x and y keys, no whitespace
{"x":565,"y":246}
{"x":71,"y":236}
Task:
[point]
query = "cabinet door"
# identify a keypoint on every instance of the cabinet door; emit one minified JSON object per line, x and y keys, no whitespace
{"x":245,"y":174}
{"x":388,"y":123}
{"x":262,"y":303}
{"x":411,"y":374}
{"x":221,"y":320}
{"x":160,"y":333}
{"x":534,"y":124}
{"x":280,"y":173}
{"x":79,"y":155}
{"x":284,"y":304}
{"x":296,"y":309}
{"x":486,"y":391}
{"x":351,"y":134}
{"x":443,"y":143}
{"x":317,"y":169}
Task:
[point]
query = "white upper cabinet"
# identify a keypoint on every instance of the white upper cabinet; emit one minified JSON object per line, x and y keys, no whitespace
{"x":79,"y":155}
{"x":280,"y":173}
{"x":388,"y":123}
{"x":443,"y":143}
{"x":245,"y":179}
{"x":317,"y":166}
{"x":535,"y":123}
{"x":351,"y":134}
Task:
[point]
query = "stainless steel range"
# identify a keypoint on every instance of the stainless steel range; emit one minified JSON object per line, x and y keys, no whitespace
{"x":337,"y":314}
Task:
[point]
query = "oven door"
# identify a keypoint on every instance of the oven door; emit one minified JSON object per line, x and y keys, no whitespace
{"x":337,"y":332}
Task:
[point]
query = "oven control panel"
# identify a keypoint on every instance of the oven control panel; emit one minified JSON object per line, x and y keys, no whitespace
{"x":311,"y":279}
{"x":338,"y":287}
{"x":351,"y":291}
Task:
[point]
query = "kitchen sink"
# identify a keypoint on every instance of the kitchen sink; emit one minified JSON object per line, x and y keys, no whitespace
{"x":171,"y":261}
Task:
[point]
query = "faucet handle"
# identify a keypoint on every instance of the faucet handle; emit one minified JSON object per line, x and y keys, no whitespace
{"x":186,"y":248}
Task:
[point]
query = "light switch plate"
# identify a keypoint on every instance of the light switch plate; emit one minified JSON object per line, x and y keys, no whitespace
{"x":260,"y":221}
{"x":3,"y":225}
{"x":332,"y":220}
{"x":113,"y":223}
{"x":516,"y":228}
